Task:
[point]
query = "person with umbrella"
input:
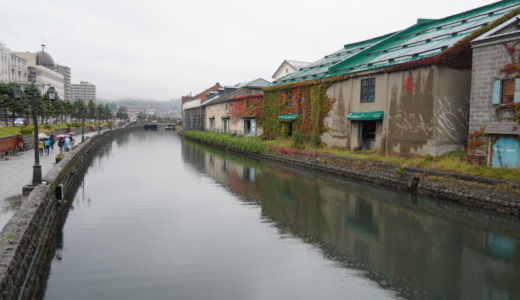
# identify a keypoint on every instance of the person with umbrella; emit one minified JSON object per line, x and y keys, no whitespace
{"x":67,"y":143}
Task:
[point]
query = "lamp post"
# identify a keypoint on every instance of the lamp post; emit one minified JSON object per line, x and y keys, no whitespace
{"x":82,"y":129}
{"x":80,"y":111}
{"x":52,"y":95}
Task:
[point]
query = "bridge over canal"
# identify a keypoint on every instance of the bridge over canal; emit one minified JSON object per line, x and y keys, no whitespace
{"x":159,"y":126}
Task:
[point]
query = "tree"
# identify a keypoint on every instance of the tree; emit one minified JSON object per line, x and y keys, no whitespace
{"x":6,"y":100}
{"x":59,"y":108}
{"x":141,"y":116}
{"x":92,"y":110}
{"x":9,"y":103}
{"x":108,"y":112}
{"x":33,"y":99}
{"x":47,"y":109}
{"x":69,"y":108}
{"x":122,"y":115}
{"x":80,"y":110}
{"x":100,"y":111}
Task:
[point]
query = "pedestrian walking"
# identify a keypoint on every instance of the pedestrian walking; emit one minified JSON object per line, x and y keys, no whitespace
{"x":61,"y":144}
{"x":46,"y":146}
{"x":67,"y":143}
{"x":53,"y":141}
{"x":40,"y":147}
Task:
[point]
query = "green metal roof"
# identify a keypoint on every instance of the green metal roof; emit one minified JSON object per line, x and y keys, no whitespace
{"x":366,"y":116}
{"x":320,"y":68}
{"x":287,"y":117}
{"x":424,"y":39}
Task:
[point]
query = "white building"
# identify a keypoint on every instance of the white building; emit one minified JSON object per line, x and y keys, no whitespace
{"x":12,"y":67}
{"x":289,"y":67}
{"x":5,"y":56}
{"x":67,"y":87}
{"x":85,"y":91}
{"x":40,"y":67}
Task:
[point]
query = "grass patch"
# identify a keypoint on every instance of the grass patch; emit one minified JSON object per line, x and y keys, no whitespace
{"x":10,"y":130}
{"x":250,"y":144}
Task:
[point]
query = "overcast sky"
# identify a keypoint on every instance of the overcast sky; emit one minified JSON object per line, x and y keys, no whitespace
{"x":160,"y":49}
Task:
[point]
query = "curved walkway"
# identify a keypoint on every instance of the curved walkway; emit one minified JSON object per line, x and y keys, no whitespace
{"x":16,"y":172}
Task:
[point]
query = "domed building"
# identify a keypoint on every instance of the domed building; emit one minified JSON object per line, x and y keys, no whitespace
{"x":41,"y":70}
{"x":44,"y":59}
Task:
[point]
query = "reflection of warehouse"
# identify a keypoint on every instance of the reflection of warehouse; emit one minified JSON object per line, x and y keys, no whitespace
{"x":403,"y":242}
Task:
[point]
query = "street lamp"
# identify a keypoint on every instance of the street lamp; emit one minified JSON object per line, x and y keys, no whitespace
{"x":18,"y":94}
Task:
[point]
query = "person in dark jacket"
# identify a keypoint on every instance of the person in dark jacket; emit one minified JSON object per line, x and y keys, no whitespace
{"x":61,"y":144}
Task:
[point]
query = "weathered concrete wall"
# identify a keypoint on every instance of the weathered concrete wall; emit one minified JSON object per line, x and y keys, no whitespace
{"x":340,"y":129}
{"x":452,"y":111}
{"x":219,"y":111}
{"x":493,"y":195}
{"x":27,"y":242}
{"x":425,"y":111}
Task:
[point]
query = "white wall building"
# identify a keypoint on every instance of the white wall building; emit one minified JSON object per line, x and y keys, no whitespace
{"x":67,"y":87}
{"x":5,"y":55}
{"x":85,"y":91}
{"x":40,"y":67}
{"x":12,"y":67}
{"x":289,"y":67}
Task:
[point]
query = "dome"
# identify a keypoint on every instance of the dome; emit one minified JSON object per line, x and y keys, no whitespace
{"x":44,"y":59}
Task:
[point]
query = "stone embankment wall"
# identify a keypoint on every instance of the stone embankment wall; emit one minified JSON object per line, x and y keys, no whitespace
{"x":490,"y":194}
{"x":27,"y":242}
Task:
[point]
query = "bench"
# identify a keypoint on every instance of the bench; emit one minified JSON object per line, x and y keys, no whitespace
{"x":8,"y":153}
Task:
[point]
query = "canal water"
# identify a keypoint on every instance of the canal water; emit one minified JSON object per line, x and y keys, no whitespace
{"x":162,"y":218}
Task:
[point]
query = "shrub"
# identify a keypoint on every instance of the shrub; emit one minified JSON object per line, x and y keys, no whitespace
{"x":26,"y":130}
{"x":316,"y":141}
{"x":298,"y":141}
{"x":250,"y":144}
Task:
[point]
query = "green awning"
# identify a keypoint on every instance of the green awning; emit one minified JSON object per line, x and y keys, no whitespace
{"x":366,"y":116}
{"x":287,"y":117}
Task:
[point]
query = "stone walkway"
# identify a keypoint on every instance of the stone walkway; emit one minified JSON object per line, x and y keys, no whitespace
{"x":16,"y":172}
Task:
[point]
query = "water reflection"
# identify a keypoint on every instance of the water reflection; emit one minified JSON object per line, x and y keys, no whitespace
{"x":420,"y":247}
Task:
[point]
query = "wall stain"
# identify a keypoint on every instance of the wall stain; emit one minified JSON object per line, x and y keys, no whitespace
{"x":411,"y":112}
{"x":338,"y":122}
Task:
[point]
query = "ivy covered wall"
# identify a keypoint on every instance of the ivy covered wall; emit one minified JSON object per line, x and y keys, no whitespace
{"x":307,"y":99}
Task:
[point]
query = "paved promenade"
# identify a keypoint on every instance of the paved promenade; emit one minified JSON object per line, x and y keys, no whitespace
{"x":16,"y":172}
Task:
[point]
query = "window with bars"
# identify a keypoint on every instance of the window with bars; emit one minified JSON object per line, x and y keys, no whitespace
{"x":288,"y":99}
{"x":368,"y":90}
{"x":225,"y":125}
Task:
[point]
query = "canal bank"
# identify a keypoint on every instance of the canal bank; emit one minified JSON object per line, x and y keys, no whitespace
{"x":27,"y":240}
{"x":499,"y":196}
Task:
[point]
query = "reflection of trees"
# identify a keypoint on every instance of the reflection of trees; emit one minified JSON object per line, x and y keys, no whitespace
{"x":193,"y":156}
{"x":421,"y":247}
{"x":221,"y":154}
